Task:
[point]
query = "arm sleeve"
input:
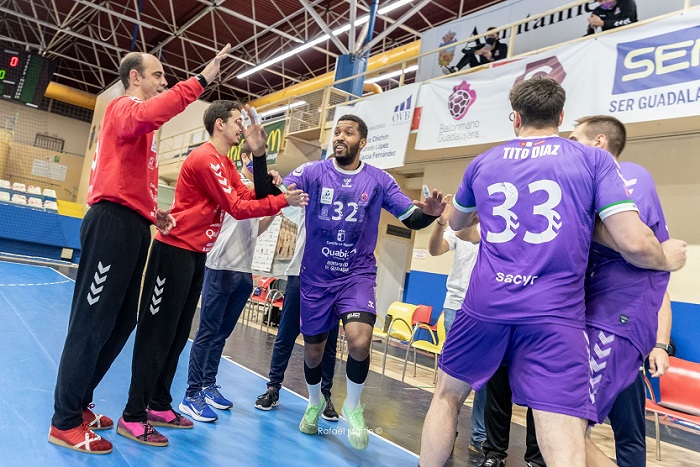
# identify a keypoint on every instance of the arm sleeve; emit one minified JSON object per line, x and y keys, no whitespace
{"x":233,"y":196}
{"x":417,"y":220}
{"x":143,"y":117}
{"x":262,"y":180}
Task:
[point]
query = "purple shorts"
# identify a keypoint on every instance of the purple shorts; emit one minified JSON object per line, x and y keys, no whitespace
{"x":547,"y":363}
{"x":615,"y":364}
{"x":322,"y":307}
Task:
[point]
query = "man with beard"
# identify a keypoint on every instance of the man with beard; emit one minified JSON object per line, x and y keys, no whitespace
{"x":338,"y":275}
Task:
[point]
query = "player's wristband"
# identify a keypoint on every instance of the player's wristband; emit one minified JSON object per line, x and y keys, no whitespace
{"x":201,"y":80}
{"x":666,"y":347}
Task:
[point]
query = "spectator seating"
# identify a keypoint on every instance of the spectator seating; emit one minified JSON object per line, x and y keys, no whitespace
{"x":32,"y":196}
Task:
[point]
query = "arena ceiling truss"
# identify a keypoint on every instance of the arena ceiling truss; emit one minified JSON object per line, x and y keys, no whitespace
{"x":87,"y":38}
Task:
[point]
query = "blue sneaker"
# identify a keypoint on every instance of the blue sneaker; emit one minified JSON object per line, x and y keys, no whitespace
{"x":213,"y":397}
{"x":197,"y":408}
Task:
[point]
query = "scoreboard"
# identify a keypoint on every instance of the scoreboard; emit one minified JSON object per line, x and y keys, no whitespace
{"x":24,"y":76}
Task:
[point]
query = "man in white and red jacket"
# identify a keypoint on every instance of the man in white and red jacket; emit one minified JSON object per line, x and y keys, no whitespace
{"x":208,"y":187}
{"x":114,"y":238}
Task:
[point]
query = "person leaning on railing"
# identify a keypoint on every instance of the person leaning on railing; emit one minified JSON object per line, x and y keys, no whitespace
{"x":612,"y":14}
{"x":491,"y":51}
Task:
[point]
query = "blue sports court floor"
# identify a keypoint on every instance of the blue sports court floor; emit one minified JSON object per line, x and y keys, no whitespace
{"x":34,"y":307}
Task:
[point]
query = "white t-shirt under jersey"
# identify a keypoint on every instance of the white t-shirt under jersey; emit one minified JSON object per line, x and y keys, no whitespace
{"x":295,"y":265}
{"x":235,"y":247}
{"x":458,"y":280}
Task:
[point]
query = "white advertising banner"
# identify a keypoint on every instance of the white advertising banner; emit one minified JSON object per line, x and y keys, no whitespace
{"x":388,"y":117}
{"x":640,"y":74}
{"x":536,"y":34}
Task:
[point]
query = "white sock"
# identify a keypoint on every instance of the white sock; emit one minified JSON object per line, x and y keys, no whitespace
{"x":352,"y":400}
{"x":315,"y":396}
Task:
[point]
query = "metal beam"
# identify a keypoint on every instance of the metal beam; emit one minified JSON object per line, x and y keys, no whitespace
{"x":391,"y":28}
{"x":390,"y":21}
{"x":325,"y":28}
{"x":351,"y":33}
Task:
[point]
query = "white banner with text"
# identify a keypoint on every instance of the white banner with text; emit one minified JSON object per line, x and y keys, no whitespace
{"x":641,"y":74}
{"x":553,"y":29}
{"x":388,"y":117}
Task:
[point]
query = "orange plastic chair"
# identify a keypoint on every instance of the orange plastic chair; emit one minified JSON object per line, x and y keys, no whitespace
{"x":679,"y":400}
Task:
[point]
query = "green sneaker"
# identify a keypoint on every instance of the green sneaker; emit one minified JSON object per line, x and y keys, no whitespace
{"x":357,"y":430}
{"x":309,"y":424}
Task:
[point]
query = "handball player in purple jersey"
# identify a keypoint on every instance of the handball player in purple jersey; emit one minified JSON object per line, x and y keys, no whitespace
{"x":337,"y":276}
{"x":536,"y":198}
{"x":624,"y":307}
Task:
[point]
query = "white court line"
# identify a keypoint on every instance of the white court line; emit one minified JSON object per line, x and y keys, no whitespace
{"x":227,"y":358}
{"x":306,"y":399}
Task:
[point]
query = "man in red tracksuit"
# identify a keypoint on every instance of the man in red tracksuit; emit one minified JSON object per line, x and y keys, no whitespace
{"x":207,"y":187}
{"x":114,"y":238}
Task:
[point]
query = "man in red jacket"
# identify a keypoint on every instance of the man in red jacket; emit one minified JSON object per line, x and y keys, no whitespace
{"x":114,"y":238}
{"x":208,"y":186}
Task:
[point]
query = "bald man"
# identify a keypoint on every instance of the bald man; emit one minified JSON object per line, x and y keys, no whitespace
{"x":114,"y":238}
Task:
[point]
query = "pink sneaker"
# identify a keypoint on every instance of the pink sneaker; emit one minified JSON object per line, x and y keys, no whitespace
{"x":168,"y":418}
{"x":96,"y":421}
{"x":141,"y":432}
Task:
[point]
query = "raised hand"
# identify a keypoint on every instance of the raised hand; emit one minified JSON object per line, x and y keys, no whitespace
{"x":255,"y":135}
{"x":445,"y":216}
{"x":432,"y":206}
{"x":212,"y":69}
{"x":296,"y":197}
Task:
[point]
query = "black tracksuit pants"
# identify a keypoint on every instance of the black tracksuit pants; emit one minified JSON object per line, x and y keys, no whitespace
{"x":497,"y":416}
{"x":114,"y":241}
{"x":171,"y":292}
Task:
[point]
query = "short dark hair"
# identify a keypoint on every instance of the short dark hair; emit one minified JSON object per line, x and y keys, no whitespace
{"x":245,"y":148}
{"x":613,"y":129}
{"x":360,"y":123}
{"x":219,"y":110}
{"x":131,"y":61}
{"x":539,"y":101}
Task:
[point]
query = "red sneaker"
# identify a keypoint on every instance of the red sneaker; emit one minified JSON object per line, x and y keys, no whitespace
{"x":96,"y":421}
{"x":141,"y":432}
{"x":168,"y":418}
{"x":80,"y":439}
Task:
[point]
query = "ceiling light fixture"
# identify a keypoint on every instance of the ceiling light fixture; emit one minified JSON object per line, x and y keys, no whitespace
{"x":358,"y":22}
{"x":281,"y":109}
{"x":392,"y":74}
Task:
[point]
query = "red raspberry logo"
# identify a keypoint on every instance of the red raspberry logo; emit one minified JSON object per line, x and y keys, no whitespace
{"x":460,"y":100}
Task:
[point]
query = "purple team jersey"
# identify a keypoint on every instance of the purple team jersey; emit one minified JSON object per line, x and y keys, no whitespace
{"x":621,"y":298}
{"x":342,"y":218}
{"x":536,"y":199}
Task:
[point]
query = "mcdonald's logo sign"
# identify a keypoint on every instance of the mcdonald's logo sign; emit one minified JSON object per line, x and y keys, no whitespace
{"x":275,"y":133}
{"x":274,"y":142}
